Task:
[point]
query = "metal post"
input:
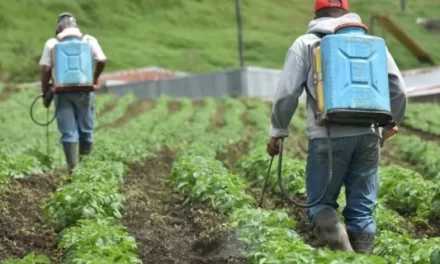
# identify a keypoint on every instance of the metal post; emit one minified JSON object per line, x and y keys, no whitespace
{"x":239,"y":32}
{"x":403,"y":5}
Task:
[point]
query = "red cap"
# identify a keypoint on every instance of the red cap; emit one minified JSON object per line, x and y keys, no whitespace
{"x":343,"y":4}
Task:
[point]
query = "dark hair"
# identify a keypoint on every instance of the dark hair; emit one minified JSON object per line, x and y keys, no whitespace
{"x":330,"y":12}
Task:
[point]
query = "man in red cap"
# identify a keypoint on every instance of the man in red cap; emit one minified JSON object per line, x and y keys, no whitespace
{"x":355,"y":149}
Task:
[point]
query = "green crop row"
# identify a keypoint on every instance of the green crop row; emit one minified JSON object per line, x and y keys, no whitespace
{"x":23,"y":144}
{"x":89,"y":209}
{"x":421,"y":152}
{"x":423,"y":117}
{"x":267,"y":234}
{"x":255,"y":167}
{"x":118,"y":111}
{"x":400,"y":188}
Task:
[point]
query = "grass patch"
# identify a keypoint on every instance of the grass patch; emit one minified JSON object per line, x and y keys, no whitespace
{"x":188,"y":35}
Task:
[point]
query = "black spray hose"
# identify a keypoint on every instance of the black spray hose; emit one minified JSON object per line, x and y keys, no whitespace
{"x":48,"y":122}
{"x":329,"y":178}
{"x":31,"y":113}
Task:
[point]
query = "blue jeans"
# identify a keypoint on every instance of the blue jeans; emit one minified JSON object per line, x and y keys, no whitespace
{"x":355,"y":164}
{"x":75,"y":116}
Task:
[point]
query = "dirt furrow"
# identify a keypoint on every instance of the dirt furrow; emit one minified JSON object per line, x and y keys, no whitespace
{"x":408,"y":130}
{"x":167,"y":226}
{"x":108,"y":107}
{"x":218,"y":120}
{"x":133,"y":110}
{"x":22,"y":226}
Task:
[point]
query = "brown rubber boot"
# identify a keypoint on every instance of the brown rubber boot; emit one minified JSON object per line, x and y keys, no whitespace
{"x":331,"y":231}
{"x":362,"y":242}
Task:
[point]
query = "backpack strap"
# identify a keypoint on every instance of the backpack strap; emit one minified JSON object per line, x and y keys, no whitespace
{"x":320,"y":36}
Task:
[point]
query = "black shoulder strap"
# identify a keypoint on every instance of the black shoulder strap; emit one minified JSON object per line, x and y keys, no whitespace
{"x":319,"y":35}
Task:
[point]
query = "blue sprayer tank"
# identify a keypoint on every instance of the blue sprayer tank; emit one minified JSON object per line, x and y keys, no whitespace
{"x":72,"y":65}
{"x":352,"y":84}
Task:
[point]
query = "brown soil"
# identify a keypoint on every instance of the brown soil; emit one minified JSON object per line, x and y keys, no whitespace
{"x":174,"y":106}
{"x":218,"y":120}
{"x":22,"y":227}
{"x":249,"y":128}
{"x":197,"y":102}
{"x":133,"y":110}
{"x":407,"y":130}
{"x":168,"y":227}
{"x":4,"y":95}
{"x":8,"y":91}
{"x":108,"y":107}
{"x":422,"y":230}
{"x":233,"y":152}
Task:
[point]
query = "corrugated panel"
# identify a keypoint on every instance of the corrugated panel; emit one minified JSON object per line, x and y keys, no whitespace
{"x":263,"y":83}
{"x":217,"y":84}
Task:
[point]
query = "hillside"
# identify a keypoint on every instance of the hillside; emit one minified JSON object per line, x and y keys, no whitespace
{"x":187,"y":35}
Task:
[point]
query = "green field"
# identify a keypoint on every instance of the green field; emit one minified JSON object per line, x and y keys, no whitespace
{"x":186,"y":35}
{"x":173,"y":180}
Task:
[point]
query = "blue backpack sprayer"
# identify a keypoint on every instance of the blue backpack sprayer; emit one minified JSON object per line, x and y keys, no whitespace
{"x":351,"y":80}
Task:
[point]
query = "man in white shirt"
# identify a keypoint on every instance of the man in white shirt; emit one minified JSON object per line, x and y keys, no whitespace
{"x":75,"y":110}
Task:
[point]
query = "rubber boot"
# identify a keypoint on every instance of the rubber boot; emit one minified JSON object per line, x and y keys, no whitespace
{"x":71,"y":155}
{"x":331,"y":231}
{"x":362,"y":242}
{"x":85,"y":148}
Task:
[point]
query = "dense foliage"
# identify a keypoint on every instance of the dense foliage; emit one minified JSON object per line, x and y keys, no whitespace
{"x":87,"y":210}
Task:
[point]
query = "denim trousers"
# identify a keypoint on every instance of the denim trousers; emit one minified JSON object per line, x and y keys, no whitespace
{"x":75,"y":116}
{"x":355,"y":164}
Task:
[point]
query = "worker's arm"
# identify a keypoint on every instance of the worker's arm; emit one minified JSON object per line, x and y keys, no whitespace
{"x":398,"y":98}
{"x":46,"y":66}
{"x":46,"y":75}
{"x":398,"y":94}
{"x":100,"y":58}
{"x":290,"y":87}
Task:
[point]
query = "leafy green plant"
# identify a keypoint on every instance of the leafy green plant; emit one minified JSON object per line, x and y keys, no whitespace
{"x":208,"y":181}
{"x":83,"y":200}
{"x":28,"y":259}
{"x":93,"y":170}
{"x":98,"y":239}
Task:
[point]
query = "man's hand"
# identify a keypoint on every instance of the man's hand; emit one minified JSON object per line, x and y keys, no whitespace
{"x":273,"y":147}
{"x":388,"y":134}
{"x":96,"y":84}
{"x":46,"y":102}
